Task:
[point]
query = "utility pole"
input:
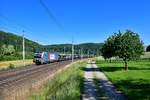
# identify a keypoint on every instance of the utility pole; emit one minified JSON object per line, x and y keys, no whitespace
{"x":23,"y":48}
{"x":81,"y":53}
{"x":72,"y":50}
{"x":97,"y":52}
{"x":88,"y":54}
{"x":52,"y":50}
{"x":64,"y":50}
{"x":37,"y":49}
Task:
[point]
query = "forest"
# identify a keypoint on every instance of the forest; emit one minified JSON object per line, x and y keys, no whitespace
{"x":11,"y":47}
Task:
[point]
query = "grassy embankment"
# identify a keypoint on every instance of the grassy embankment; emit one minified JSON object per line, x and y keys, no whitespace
{"x":134,"y":83}
{"x":16,"y":63}
{"x":66,"y":85}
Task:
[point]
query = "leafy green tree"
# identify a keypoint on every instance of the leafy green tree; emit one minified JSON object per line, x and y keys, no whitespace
{"x":107,"y":48}
{"x":7,"y":50}
{"x":127,"y":46}
{"x":10,"y":49}
{"x":3,"y":49}
{"x":1,"y":52}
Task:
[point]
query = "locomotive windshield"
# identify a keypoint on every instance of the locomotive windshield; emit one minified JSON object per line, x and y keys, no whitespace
{"x":37,"y":55}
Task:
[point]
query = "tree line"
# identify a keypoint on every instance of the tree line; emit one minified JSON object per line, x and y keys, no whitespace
{"x":11,"y":47}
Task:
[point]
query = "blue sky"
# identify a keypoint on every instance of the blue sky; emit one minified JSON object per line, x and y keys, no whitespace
{"x":85,"y":20}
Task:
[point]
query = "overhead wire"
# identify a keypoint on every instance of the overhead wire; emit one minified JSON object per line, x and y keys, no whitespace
{"x":50,"y":14}
{"x":15,"y":26}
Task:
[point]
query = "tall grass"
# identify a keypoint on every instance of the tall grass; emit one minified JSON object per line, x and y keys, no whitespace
{"x":16,"y":63}
{"x":67,"y":85}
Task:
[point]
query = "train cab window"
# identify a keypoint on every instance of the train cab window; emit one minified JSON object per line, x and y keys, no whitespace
{"x":37,"y":56}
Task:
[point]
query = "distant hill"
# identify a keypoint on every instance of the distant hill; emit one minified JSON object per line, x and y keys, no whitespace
{"x":11,"y":47}
{"x":15,"y":40}
{"x":91,"y":48}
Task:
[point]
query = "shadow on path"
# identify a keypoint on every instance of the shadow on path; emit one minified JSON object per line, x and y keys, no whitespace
{"x":90,"y":69}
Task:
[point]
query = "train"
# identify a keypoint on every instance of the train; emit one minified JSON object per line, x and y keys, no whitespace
{"x":49,"y":57}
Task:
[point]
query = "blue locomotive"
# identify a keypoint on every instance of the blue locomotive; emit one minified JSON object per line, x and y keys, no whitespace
{"x":46,"y":57}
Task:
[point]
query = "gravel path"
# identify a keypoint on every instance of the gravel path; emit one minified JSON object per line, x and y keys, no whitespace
{"x":89,"y":86}
{"x":106,"y":85}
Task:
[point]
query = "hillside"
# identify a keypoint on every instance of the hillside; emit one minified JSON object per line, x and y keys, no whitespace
{"x":15,"y":40}
{"x":11,"y":47}
{"x":91,"y":48}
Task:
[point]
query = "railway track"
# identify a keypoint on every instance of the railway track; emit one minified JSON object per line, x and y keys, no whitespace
{"x":17,"y":84}
{"x":13,"y":73}
{"x":14,"y":77}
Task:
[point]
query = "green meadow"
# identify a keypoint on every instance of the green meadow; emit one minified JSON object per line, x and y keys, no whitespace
{"x":134,"y":83}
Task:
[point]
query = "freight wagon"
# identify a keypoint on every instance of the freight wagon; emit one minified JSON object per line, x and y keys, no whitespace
{"x":49,"y":57}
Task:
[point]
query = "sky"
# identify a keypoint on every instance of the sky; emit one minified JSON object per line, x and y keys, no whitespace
{"x":80,"y":20}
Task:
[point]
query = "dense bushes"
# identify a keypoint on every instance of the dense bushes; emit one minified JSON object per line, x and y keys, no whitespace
{"x":16,"y":56}
{"x":11,"y":66}
{"x":148,"y":48}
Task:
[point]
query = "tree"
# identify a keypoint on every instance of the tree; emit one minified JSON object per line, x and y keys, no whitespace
{"x":10,"y":49}
{"x":148,"y":48}
{"x":129,"y":47}
{"x":108,"y":49}
{"x":3,"y":49}
{"x":7,"y":50}
{"x":126,"y":46}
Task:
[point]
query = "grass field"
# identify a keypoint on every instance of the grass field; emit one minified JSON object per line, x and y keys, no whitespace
{"x":134,"y":83}
{"x":67,"y":85}
{"x":146,"y":55}
{"x":16,"y":63}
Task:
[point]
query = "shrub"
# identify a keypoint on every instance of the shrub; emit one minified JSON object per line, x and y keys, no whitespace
{"x":11,"y":66}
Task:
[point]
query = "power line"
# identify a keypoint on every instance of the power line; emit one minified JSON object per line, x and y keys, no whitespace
{"x":51,"y":15}
{"x":6,"y":27}
{"x":14,"y":23}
